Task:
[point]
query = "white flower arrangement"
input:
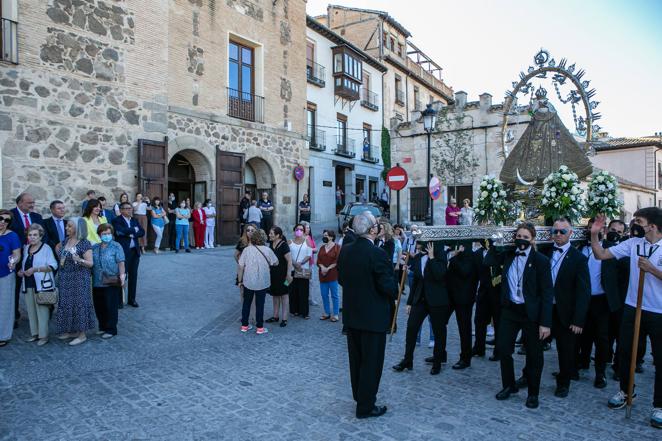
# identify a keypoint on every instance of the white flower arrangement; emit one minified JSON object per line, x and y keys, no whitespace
{"x":562,"y":195}
{"x":602,"y":197}
{"x":492,"y":205}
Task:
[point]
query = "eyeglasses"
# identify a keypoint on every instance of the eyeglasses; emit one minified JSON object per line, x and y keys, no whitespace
{"x":556,"y":231}
{"x":5,"y":219}
{"x":250,"y":230}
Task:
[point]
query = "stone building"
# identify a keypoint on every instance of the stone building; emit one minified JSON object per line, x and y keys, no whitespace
{"x":413,"y":79}
{"x":344,"y":118}
{"x":199,"y":97}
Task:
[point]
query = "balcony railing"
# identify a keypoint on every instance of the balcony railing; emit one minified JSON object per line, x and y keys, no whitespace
{"x":369,"y":153}
{"x":344,"y":147}
{"x":316,"y":139}
{"x":400,"y":97}
{"x":369,"y":99}
{"x":9,"y":41}
{"x":244,"y":105}
{"x":315,"y":73}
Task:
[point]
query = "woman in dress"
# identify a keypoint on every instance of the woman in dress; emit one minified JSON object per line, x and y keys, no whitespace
{"x":93,"y":217}
{"x":327,"y":262}
{"x":199,"y":225}
{"x":280,"y":276}
{"x":36,"y":275}
{"x":300,"y":287}
{"x":75,"y":313}
{"x":109,"y":261}
{"x":123,"y":198}
{"x":140,"y":213}
{"x":10,"y":253}
{"x":158,"y":222}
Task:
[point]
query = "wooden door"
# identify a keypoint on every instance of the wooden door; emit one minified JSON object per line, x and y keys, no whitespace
{"x":153,"y":174}
{"x":229,"y":191}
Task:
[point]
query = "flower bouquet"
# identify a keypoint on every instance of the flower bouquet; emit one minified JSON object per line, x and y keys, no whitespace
{"x":492,"y":206}
{"x":562,"y":195}
{"x":602,"y":197}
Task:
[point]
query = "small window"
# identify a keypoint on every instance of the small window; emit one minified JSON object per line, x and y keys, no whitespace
{"x":337,"y":63}
{"x":400,"y":49}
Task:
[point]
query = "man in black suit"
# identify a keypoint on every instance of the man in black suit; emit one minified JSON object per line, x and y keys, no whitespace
{"x":369,"y":286}
{"x":462,"y":287}
{"x":428,"y":297}
{"x":127,"y":232}
{"x":349,"y":235}
{"x":526,"y":299}
{"x":55,"y":225}
{"x":23,"y":217}
{"x":488,"y":302}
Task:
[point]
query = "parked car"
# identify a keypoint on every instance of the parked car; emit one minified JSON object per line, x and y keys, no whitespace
{"x":353,"y":208}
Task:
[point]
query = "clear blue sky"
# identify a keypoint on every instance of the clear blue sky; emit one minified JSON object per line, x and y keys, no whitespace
{"x":482,"y":45}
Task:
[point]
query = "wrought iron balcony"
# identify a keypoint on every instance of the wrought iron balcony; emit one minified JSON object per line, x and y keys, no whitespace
{"x":344,"y":147}
{"x":400,"y":97}
{"x":369,"y":153}
{"x":315,"y":73}
{"x":316,"y":139}
{"x":245,"y":106}
{"x":9,"y":41}
{"x":369,"y":99}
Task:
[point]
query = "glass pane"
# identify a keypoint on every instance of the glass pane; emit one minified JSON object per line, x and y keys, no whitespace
{"x":246,"y":56}
{"x":234,"y":51}
{"x":246,"y":80}
{"x":234,"y":75}
{"x":337,"y":66}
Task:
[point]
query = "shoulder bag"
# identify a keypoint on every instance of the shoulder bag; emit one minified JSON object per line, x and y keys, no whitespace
{"x":108,"y":279}
{"x":304,"y":273}
{"x":49,"y":292}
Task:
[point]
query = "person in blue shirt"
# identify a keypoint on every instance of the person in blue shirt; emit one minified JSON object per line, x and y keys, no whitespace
{"x":10,"y":254}
{"x":183,"y":213}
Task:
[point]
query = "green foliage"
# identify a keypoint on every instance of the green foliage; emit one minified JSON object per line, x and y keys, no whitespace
{"x":386,"y":151}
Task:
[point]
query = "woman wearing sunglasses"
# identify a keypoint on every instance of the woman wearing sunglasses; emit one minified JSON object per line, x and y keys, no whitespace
{"x":10,"y":254}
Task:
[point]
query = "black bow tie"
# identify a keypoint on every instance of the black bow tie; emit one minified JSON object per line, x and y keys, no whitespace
{"x":520,"y":253}
{"x":560,"y":250}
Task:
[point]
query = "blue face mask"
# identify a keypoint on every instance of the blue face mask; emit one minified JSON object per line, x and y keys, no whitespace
{"x":106,"y":238}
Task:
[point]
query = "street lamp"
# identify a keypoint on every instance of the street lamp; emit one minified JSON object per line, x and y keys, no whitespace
{"x":429,"y":116}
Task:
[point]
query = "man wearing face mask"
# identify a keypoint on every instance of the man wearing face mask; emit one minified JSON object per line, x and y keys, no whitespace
{"x":645,"y":252}
{"x":369,"y":287}
{"x":488,"y":304}
{"x":526,"y":299}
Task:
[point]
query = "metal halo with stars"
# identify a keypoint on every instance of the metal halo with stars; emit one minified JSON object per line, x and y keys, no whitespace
{"x":584,"y":125}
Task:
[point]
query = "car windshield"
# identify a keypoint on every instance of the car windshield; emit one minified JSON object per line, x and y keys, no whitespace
{"x":358,"y":209}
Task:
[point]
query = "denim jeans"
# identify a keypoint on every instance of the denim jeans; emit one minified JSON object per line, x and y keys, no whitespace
{"x":325,"y":287}
{"x":182,"y":233}
{"x":259,"y":306}
{"x":418,"y":338}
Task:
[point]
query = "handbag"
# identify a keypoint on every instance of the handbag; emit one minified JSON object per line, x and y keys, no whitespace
{"x":107,"y":279}
{"x":166,"y":221}
{"x":49,"y":292}
{"x":304,"y":273}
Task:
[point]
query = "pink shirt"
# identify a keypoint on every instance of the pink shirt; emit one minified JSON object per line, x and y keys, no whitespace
{"x":452,"y":220}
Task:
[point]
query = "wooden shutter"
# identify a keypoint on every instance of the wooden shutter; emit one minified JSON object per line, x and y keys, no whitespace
{"x":153,"y":168}
{"x":229,"y":189}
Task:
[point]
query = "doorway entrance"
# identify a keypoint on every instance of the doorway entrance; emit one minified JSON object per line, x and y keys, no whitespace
{"x":182,"y":180}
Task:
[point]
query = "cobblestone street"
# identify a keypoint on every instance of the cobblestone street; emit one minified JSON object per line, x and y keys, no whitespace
{"x":181,"y":370}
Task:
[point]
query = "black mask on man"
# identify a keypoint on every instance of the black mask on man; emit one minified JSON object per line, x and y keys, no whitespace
{"x":637,"y":230}
{"x":522,"y":244}
{"x":613,"y":236}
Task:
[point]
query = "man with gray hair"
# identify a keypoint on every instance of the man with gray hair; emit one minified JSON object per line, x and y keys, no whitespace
{"x":369,"y":287}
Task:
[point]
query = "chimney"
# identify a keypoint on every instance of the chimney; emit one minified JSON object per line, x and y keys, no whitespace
{"x":485,"y":101}
{"x":460,"y":99}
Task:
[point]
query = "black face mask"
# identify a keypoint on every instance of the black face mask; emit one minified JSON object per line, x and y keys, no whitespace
{"x":613,"y":236}
{"x":325,"y":239}
{"x":637,"y":230}
{"x":522,"y":244}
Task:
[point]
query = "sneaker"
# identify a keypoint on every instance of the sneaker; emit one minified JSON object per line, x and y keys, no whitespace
{"x":77,"y":341}
{"x":260,"y":331}
{"x":99,"y":332}
{"x":490,"y":331}
{"x":246,"y":328}
{"x":619,"y":400}
{"x":42,"y":341}
{"x":656,"y":417}
{"x":106,"y":336}
{"x":431,"y":344}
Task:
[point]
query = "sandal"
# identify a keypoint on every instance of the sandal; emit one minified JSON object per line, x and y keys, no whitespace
{"x":325,"y":317}
{"x":3,"y":343}
{"x":334,"y":319}
{"x":272,"y":320}
{"x":283,"y":323}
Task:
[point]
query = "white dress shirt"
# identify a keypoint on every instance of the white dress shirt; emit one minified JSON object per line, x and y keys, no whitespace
{"x":557,"y":259}
{"x":516,"y":277}
{"x":595,"y":271}
{"x":133,"y":241}
{"x":652,"y":298}
{"x":424,"y":261}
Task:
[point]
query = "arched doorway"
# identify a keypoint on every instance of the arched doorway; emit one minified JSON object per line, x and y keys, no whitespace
{"x":259,"y":178}
{"x":189,"y":175}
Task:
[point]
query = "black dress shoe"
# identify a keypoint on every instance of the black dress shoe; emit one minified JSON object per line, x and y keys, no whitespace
{"x":561,"y":391}
{"x":134,"y":304}
{"x":506,"y":392}
{"x":532,"y":402}
{"x":494,"y":357}
{"x":431,"y":360}
{"x":600,"y":382}
{"x":403,"y":365}
{"x":376,"y":411}
{"x":436,"y":370}
{"x":475,"y":352}
{"x":522,"y":382}
{"x":461,"y":365}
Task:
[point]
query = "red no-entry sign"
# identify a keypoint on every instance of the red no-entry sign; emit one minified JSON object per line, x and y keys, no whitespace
{"x":396,"y":178}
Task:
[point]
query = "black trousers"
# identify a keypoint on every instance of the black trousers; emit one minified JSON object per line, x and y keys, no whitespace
{"x":595,"y":332}
{"x":514,"y":318}
{"x":615,"y":327}
{"x":438,"y":319}
{"x":299,"y":293}
{"x":105,"y":306}
{"x":565,"y":348}
{"x":131,"y":263}
{"x":488,"y":308}
{"x":366,"y":362}
{"x":463,"y":313}
{"x":651,"y":324}
{"x":266,"y":223}
{"x":259,"y":306}
{"x":172,"y":231}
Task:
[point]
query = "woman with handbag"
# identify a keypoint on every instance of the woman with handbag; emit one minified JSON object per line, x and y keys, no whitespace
{"x":75,"y":312}
{"x":37,"y":283}
{"x":10,"y":253}
{"x":300,"y":287}
{"x":108,"y":275}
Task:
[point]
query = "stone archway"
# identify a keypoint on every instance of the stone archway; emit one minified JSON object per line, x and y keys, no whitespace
{"x":259,"y":178}
{"x":201,"y":156}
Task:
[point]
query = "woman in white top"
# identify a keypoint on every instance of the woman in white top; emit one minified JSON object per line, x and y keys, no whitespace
{"x":301,"y":255}
{"x":140,"y":213}
{"x":466,"y":213}
{"x":123,"y":198}
{"x":254,"y":275}
{"x":210,"y":211}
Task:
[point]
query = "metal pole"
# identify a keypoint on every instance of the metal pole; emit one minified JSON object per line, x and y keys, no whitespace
{"x":430,"y":200}
{"x":397,"y":215}
{"x":296,"y":206}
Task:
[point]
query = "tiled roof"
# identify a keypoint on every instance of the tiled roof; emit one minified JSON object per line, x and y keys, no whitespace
{"x":625,"y":143}
{"x":385,"y":15}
